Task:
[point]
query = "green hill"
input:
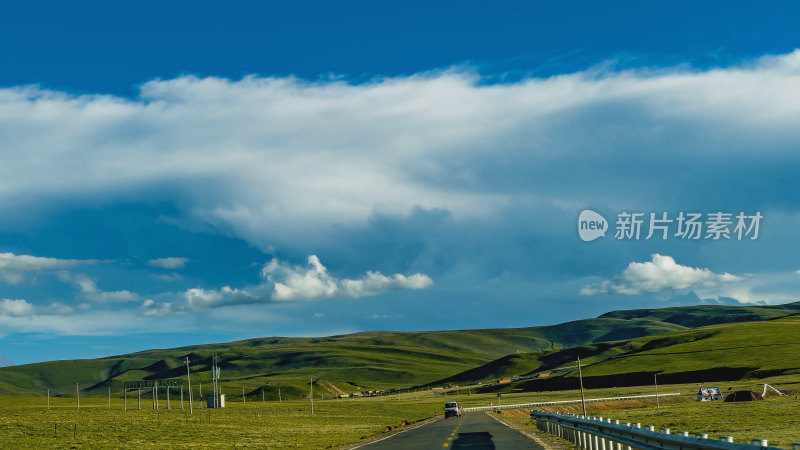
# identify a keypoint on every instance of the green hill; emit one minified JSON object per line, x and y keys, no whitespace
{"x":698,"y":316}
{"x":385,"y":359}
{"x":724,"y":352}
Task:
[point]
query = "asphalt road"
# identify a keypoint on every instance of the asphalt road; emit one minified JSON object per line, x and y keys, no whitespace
{"x":474,"y":431}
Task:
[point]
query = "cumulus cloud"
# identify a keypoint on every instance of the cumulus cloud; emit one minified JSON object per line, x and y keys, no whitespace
{"x":283,"y":282}
{"x":168,"y":263}
{"x":22,"y":308}
{"x":197,"y":299}
{"x":16,"y":308}
{"x":662,"y":272}
{"x":90,"y":291}
{"x":13,"y":267}
{"x":314,"y":282}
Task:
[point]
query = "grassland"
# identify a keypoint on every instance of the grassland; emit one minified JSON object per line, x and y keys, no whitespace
{"x":388,"y":359}
{"x":621,"y":353}
{"x":747,"y":350}
{"x":25,"y":422}
{"x":373,"y":360}
{"x":774,"y":419}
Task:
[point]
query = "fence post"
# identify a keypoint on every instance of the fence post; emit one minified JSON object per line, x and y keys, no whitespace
{"x":759,"y":442}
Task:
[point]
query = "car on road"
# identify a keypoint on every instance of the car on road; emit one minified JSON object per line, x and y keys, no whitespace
{"x":452,"y":409}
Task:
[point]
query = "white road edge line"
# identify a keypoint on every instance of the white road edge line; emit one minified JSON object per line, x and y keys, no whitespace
{"x":525,"y":433}
{"x":413,"y":427}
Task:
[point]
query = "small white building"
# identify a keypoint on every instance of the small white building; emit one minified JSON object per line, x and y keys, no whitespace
{"x":210,"y":401}
{"x":709,"y":394}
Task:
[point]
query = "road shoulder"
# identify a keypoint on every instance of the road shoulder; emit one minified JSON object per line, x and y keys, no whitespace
{"x":548,"y":442}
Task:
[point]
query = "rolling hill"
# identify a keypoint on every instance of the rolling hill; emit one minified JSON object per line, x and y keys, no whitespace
{"x":386,"y":359}
{"x":726,"y":352}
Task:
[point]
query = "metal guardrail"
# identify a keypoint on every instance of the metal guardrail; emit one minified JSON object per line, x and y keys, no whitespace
{"x":567,"y":402}
{"x":596,"y":433}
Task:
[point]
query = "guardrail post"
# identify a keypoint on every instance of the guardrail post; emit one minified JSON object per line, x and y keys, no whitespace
{"x":683,"y":433}
{"x":650,"y":428}
{"x":664,"y":430}
{"x":760,"y":442}
{"x":726,"y":438}
{"x":637,"y":425}
{"x":702,"y":435}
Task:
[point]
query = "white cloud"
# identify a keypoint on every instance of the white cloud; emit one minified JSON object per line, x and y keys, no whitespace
{"x":168,"y":263}
{"x":22,"y":308}
{"x":284,"y":283}
{"x":16,"y":308}
{"x":289,"y":158}
{"x":298,"y":283}
{"x":168,"y":277}
{"x":13,"y":267}
{"x":90,"y":291}
{"x":662,"y":272}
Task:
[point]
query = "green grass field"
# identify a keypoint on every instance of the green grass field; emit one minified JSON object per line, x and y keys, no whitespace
{"x":774,"y":419}
{"x":386,"y":359}
{"x":729,"y":354}
{"x":25,"y":422}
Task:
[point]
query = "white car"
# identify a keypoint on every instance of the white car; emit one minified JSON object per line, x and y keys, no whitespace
{"x":452,"y":409}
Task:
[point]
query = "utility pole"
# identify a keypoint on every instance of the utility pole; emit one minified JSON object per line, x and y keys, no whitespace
{"x":109,"y":397}
{"x":580,"y":377}
{"x":312,"y":396}
{"x":214,"y":379}
{"x":279,"y":395}
{"x":189,"y":379}
{"x":78,"y":395}
{"x":48,"y":399}
{"x":655,"y":380}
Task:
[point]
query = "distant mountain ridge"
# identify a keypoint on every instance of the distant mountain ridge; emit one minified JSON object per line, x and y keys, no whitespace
{"x":377,"y":359}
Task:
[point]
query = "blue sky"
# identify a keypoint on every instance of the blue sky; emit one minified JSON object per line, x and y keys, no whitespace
{"x":187,"y":173}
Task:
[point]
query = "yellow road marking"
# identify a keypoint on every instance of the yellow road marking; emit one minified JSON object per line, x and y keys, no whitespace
{"x":449,"y":439}
{"x":446,"y":444}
